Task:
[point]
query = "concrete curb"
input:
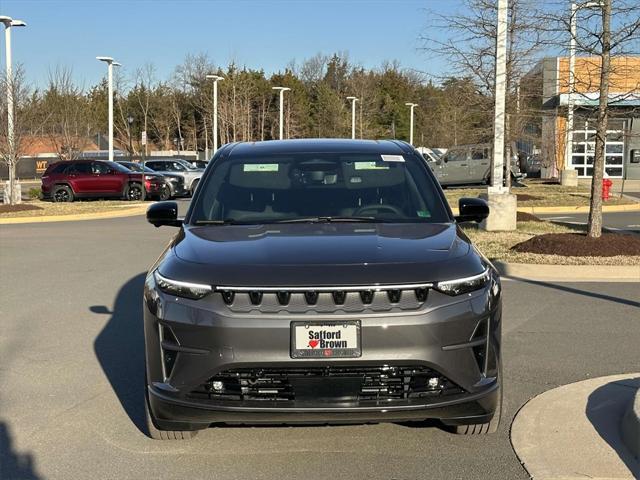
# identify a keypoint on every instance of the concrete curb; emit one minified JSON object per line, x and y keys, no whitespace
{"x":631,"y":426}
{"x":573,"y":431}
{"x":570,"y":273}
{"x":580,"y":209}
{"x":125,"y":212}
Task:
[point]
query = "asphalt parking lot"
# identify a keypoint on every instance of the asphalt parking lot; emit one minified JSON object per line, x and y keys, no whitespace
{"x":71,"y":373}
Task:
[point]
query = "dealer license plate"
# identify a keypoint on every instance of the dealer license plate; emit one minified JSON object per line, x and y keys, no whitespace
{"x":325,"y":339}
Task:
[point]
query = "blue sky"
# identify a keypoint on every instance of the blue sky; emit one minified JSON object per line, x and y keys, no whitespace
{"x":264,"y":34}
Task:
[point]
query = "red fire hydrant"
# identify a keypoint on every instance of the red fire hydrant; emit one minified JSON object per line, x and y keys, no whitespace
{"x":606,"y":187}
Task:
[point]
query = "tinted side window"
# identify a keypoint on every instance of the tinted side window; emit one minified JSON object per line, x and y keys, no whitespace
{"x":60,"y":168}
{"x":175,"y":167}
{"x":457,"y":156}
{"x":154,"y":165}
{"x":100,"y":168}
{"x":81,"y":168}
{"x":478,"y":154}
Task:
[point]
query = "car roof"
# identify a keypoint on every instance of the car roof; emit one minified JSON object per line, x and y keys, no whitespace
{"x":318,"y":145}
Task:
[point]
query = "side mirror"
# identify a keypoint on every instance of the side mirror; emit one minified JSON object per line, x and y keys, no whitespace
{"x":472,"y":210}
{"x":164,"y":213}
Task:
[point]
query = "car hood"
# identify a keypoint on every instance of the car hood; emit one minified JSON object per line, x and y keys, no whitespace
{"x":320,"y":254}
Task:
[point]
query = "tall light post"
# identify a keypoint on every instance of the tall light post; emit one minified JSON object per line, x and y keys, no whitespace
{"x":110,"y":64}
{"x":572,"y":67}
{"x":216,"y":79}
{"x":8,"y":23}
{"x":353,"y":116}
{"x":282,"y":90}
{"x":411,"y":107}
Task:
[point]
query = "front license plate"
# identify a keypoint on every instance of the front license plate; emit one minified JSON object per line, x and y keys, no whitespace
{"x":325,"y":339}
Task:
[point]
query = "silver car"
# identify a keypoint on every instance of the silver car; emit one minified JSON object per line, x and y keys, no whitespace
{"x":177,"y":166}
{"x":469,"y":164}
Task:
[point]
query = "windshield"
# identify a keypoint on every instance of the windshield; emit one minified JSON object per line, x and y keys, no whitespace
{"x":186,"y":164}
{"x":311,"y":187}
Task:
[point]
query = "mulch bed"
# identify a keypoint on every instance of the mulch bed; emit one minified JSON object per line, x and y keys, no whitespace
{"x":579,"y":245}
{"x":21,"y":207}
{"x":523,"y":197}
{"x":527,"y":217}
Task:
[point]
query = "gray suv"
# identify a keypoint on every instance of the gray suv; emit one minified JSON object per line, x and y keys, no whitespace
{"x":321,"y":281}
{"x":469,"y":164}
{"x":177,"y":166}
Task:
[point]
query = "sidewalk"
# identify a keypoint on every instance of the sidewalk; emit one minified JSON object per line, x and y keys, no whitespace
{"x":574,"y":431}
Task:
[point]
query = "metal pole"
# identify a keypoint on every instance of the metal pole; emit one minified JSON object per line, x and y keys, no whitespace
{"x":110,"y":81}
{"x":353,"y":118}
{"x":411,"y":126}
{"x":215,"y":116}
{"x":571,"y":88}
{"x":10,"y":136}
{"x":281,"y":115}
{"x":500,"y":89}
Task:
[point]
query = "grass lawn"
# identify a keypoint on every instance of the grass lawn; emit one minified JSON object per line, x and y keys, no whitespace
{"x":539,"y":194}
{"x":39,"y":208}
{"x":497,"y":245}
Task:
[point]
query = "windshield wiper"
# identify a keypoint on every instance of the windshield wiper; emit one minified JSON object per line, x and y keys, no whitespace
{"x":326,"y":219}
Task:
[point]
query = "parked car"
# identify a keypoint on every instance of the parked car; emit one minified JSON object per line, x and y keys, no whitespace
{"x":202,"y":164}
{"x":174,"y":183}
{"x":532,"y":165}
{"x":67,"y":180}
{"x":177,"y":166}
{"x":321,"y":281}
{"x":469,"y":164}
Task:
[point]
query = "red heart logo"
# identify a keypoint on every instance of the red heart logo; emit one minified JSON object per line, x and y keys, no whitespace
{"x":313,"y":343}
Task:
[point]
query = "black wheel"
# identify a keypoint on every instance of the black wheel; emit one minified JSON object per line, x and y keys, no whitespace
{"x":482,"y":428}
{"x":62,"y":193}
{"x":158,"y":434}
{"x":165,"y":194}
{"x":133,"y":192}
{"x":194,"y":185}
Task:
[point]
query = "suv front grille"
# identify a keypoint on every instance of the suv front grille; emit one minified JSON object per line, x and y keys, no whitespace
{"x":326,"y":384}
{"x":349,"y":300}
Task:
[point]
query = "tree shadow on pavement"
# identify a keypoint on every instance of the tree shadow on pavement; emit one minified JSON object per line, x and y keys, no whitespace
{"x":14,"y":465}
{"x":119,"y":348}
{"x":577,"y":291}
{"x":605,"y":409}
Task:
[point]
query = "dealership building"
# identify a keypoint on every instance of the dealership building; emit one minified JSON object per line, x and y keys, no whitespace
{"x":622,"y":159}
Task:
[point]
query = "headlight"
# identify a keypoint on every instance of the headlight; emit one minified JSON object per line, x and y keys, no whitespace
{"x":194,"y":291}
{"x":464,"y":285}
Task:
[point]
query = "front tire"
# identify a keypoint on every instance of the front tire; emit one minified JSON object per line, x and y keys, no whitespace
{"x":133,"y":192}
{"x":482,"y":428}
{"x":165,"y":194}
{"x":62,"y":194}
{"x":158,"y":434}
{"x":194,"y":185}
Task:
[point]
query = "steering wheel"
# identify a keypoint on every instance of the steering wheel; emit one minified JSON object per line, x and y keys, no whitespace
{"x":377,"y":208}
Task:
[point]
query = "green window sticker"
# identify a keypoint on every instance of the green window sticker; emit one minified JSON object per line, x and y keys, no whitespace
{"x":424,"y":213}
{"x":260,"y":167}
{"x":369,"y":166}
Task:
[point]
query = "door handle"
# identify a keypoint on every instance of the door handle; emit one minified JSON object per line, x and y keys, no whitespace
{"x":463,"y":164}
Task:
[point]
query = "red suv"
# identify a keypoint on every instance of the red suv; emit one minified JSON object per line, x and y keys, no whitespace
{"x":67,"y":180}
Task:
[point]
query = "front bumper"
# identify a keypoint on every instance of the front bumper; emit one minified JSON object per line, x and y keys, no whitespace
{"x":444,"y":335}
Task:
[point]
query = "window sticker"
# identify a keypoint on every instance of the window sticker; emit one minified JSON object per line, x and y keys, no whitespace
{"x":392,"y":158}
{"x":369,"y":166}
{"x":424,"y":214}
{"x":260,"y":167}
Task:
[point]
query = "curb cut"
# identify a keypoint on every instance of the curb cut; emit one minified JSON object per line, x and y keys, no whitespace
{"x":569,"y":273}
{"x":127,"y":212}
{"x":631,"y":426}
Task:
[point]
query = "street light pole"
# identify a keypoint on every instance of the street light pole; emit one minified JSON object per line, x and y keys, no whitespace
{"x":282,"y":90}
{"x":411,"y":107}
{"x":353,"y":116}
{"x":8,"y":23}
{"x":497,"y":175}
{"x":216,"y":79}
{"x":110,"y":64}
